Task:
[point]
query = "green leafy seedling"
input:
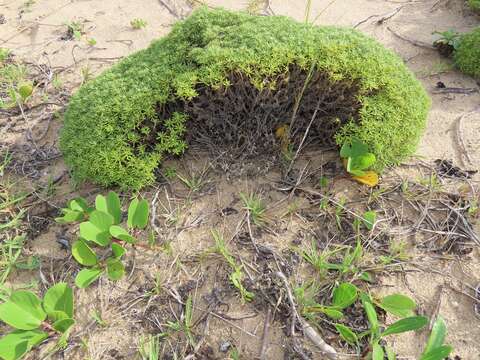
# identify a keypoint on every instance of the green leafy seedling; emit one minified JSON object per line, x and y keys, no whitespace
{"x":101,"y":228}
{"x":344,"y":295}
{"x":400,"y":305}
{"x":369,"y":219}
{"x":35,"y":320}
{"x":435,"y":349}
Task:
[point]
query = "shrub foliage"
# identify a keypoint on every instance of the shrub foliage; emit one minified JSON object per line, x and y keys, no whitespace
{"x":119,"y":126}
{"x":467,"y":53}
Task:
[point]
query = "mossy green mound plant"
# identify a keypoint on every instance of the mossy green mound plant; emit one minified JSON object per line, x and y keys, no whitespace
{"x":467,"y":53}
{"x":100,"y":227}
{"x":234,"y":77}
{"x":474,"y":5}
{"x":35,"y":320}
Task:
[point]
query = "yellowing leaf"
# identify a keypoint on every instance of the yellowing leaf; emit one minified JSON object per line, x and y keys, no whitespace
{"x":282,"y":134}
{"x":370,"y":178}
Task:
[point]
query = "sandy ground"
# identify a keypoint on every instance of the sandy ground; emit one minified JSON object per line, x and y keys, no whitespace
{"x":34,"y":30}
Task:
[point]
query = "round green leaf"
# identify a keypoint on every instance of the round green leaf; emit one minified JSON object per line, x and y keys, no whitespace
{"x":138,"y":214}
{"x":115,"y":269}
{"x":96,"y":229}
{"x":69,"y":216}
{"x":344,"y":295}
{"x":406,"y":324}
{"x":110,"y":205}
{"x":118,"y":250}
{"x":121,"y":234}
{"x":79,"y":204}
{"x":63,"y":325}
{"x":347,"y":334}
{"x":23,"y":310}
{"x":86,"y":277}
{"x":25,"y":90}
{"x":15,"y":344}
{"x":59,"y":298}
{"x":83,"y":253}
{"x":398,"y":304}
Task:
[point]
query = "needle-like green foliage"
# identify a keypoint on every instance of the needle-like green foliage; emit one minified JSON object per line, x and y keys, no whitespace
{"x":106,"y":135}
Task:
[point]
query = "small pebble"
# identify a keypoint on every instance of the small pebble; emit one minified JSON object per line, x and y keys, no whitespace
{"x":224,"y":346}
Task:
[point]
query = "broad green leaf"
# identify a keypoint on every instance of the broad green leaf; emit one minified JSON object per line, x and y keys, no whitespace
{"x":406,"y":324}
{"x":83,"y":253}
{"x":23,"y":310}
{"x":63,"y":325}
{"x":115,"y":269}
{"x":437,"y":336}
{"x":57,"y":315}
{"x":110,"y":205}
{"x":59,"y":298}
{"x":121,"y":234}
{"x":362,"y":162}
{"x":118,"y":250}
{"x":87,"y":276}
{"x":96,"y":229}
{"x":69,"y":216}
{"x":369,"y":218}
{"x":439,"y":353}
{"x":15,"y":344}
{"x":399,"y":305}
{"x":332,"y":313}
{"x":377,"y":353}
{"x":347,"y":334}
{"x":344,"y":295}
{"x":370,"y":311}
{"x":138,"y":214}
{"x":353,"y":148}
{"x":79,"y":204}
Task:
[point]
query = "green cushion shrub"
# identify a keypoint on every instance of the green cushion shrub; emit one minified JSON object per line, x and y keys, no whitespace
{"x":474,"y":5}
{"x":467,"y":53}
{"x":107,"y":135}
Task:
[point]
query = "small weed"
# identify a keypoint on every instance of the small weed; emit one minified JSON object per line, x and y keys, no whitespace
{"x":10,"y":251}
{"x":74,"y":30}
{"x":170,"y":172}
{"x":4,"y":54}
{"x":449,"y":38}
{"x":98,"y":318}
{"x":255,"y":207}
{"x":86,"y":74}
{"x":194,"y":182}
{"x":138,"y":24}
{"x":57,"y":83}
{"x":149,"y":347}
{"x":237,"y":275}
{"x":100,"y":227}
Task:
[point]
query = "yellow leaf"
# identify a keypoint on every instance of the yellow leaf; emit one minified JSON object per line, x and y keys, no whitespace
{"x":282,"y":134}
{"x":370,"y":178}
